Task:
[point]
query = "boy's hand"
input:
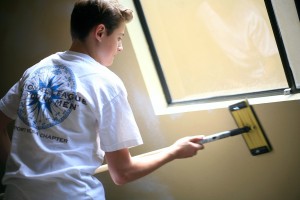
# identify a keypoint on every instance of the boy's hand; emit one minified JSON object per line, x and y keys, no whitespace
{"x":186,"y":147}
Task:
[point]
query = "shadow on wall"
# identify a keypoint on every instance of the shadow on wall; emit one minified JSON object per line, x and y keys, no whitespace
{"x":30,"y":31}
{"x":2,"y":165}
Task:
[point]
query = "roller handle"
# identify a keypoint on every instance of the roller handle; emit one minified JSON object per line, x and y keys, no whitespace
{"x":225,"y":134}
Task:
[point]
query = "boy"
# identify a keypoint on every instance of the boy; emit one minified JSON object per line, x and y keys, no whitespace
{"x":70,"y":110}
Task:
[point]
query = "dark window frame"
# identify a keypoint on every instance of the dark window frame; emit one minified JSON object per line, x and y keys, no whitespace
{"x":297,"y":3}
{"x":281,"y":48}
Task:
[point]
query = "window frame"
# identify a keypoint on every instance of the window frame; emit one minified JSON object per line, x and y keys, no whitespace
{"x":167,"y":93}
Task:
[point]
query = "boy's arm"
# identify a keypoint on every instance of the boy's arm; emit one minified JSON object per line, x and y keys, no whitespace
{"x":123,"y":168}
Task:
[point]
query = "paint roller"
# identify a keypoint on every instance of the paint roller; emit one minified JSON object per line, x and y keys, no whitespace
{"x":248,"y":126}
{"x":255,"y":138}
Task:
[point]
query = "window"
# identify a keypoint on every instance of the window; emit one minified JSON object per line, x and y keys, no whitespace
{"x":213,"y":50}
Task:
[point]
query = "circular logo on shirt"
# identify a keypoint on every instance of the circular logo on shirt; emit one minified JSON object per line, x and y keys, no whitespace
{"x":48,"y":97}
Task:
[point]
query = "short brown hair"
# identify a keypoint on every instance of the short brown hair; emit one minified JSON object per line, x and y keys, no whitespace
{"x":88,"y":13}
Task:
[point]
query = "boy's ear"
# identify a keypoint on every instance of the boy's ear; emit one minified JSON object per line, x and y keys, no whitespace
{"x":99,"y":31}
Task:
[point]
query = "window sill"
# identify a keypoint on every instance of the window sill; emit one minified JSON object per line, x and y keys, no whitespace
{"x":173,"y":109}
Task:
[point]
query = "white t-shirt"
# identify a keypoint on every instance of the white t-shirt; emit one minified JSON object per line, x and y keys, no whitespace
{"x":69,"y":110}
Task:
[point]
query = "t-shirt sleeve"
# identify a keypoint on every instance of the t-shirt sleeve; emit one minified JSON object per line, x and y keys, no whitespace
{"x":118,"y":128}
{"x":10,"y":102}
